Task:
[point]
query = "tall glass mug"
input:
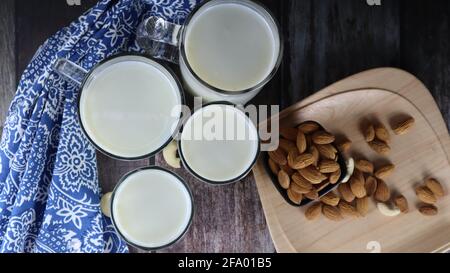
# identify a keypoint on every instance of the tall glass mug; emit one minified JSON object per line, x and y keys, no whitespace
{"x":227,"y":49}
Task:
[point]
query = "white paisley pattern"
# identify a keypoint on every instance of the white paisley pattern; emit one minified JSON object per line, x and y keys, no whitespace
{"x":49,"y":192}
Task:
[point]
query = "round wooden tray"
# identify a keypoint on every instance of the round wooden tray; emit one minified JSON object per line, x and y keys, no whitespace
{"x":383,"y":94}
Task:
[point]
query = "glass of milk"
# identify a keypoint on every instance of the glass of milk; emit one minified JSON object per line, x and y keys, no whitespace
{"x":151,"y":208}
{"x":127,"y":104}
{"x":227,"y":49}
{"x":219,"y":144}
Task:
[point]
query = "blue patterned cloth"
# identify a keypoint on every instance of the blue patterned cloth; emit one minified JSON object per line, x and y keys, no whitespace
{"x":49,"y":190}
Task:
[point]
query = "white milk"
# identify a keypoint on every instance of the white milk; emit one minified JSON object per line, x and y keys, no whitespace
{"x":228,"y":152}
{"x":151,"y":208}
{"x":126,"y":105}
{"x":230,"y":46}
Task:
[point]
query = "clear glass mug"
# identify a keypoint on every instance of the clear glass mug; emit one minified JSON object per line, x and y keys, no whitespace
{"x":168,"y":41}
{"x":121,"y":117}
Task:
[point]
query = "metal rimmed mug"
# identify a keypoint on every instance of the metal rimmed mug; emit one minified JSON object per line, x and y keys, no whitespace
{"x":168,"y":41}
{"x":124,"y":204}
{"x":205,"y":159}
{"x":146,"y":110}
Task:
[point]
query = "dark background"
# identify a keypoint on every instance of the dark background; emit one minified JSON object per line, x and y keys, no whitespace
{"x":325,"y":41}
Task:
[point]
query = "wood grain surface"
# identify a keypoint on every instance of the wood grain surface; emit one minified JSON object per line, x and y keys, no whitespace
{"x":325,"y":41}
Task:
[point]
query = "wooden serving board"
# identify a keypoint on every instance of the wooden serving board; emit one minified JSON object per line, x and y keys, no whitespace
{"x":382,"y":94}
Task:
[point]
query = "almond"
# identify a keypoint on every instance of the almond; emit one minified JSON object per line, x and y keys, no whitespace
{"x":287,"y":169}
{"x":301,"y":142}
{"x":382,"y":133}
{"x":296,"y":198}
{"x":309,"y":127}
{"x":401,"y":203}
{"x":289,"y":133}
{"x":291,"y":158}
{"x":312,"y":195}
{"x":298,"y":189}
{"x":315,"y":152}
{"x":364,"y":166}
{"x":328,"y":166}
{"x":322,"y":186}
{"x":302,"y":161}
{"x":312,"y":175}
{"x":330,"y":199}
{"x":380,"y":147}
{"x":346,"y":192}
{"x":302,"y":182}
{"x":362,"y":205}
{"x":274,"y":168}
{"x":332,"y":213}
{"x":428,"y":210}
{"x":385,"y":171}
{"x":347,"y":209}
{"x":404,"y":127}
{"x":435,"y":187}
{"x":335,"y":176}
{"x":357,"y":187}
{"x":426,"y":195}
{"x":371,"y":185}
{"x":344,"y":146}
{"x":287,"y":145}
{"x":327,"y":151}
{"x":284,"y":179}
{"x":322,"y":137}
{"x":383,"y":193}
{"x":279,"y":156}
{"x":369,"y":133}
{"x":313,"y":212}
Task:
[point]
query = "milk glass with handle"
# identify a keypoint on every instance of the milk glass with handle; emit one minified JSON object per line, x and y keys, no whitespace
{"x":227,"y":50}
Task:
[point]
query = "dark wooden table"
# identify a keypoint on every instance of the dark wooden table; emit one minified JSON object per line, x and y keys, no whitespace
{"x":325,"y":40}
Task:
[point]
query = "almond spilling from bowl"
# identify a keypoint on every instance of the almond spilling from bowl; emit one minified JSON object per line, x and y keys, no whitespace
{"x":383,"y":193}
{"x":330,"y":199}
{"x":404,"y":127}
{"x":426,"y":195}
{"x":435,"y":187}
{"x":314,"y":211}
{"x":346,"y":192}
{"x":428,"y":210}
{"x":380,"y":147}
{"x":402,"y":203}
{"x":364,"y":166}
{"x":385,"y":171}
{"x":332,"y":213}
{"x":382,"y":133}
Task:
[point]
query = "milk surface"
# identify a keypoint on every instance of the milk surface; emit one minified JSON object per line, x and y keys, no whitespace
{"x":151,"y":208}
{"x":214,"y":158}
{"x":231,"y":46}
{"x":126,"y":106}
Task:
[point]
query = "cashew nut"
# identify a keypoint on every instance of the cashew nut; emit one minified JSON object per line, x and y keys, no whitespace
{"x":170,"y":155}
{"x":350,"y":170}
{"x":387,"y":210}
{"x":105,"y":204}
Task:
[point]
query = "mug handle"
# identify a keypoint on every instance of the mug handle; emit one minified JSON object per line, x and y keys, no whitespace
{"x":70,"y":71}
{"x":159,"y":38}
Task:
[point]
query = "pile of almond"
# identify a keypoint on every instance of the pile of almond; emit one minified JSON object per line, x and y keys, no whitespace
{"x":305,"y":161}
{"x":429,"y":194}
{"x":352,"y":199}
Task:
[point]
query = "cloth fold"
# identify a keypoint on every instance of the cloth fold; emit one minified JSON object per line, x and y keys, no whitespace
{"x":49,"y":190}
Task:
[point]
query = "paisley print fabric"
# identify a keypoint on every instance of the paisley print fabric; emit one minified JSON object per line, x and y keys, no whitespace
{"x":49,"y":190}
